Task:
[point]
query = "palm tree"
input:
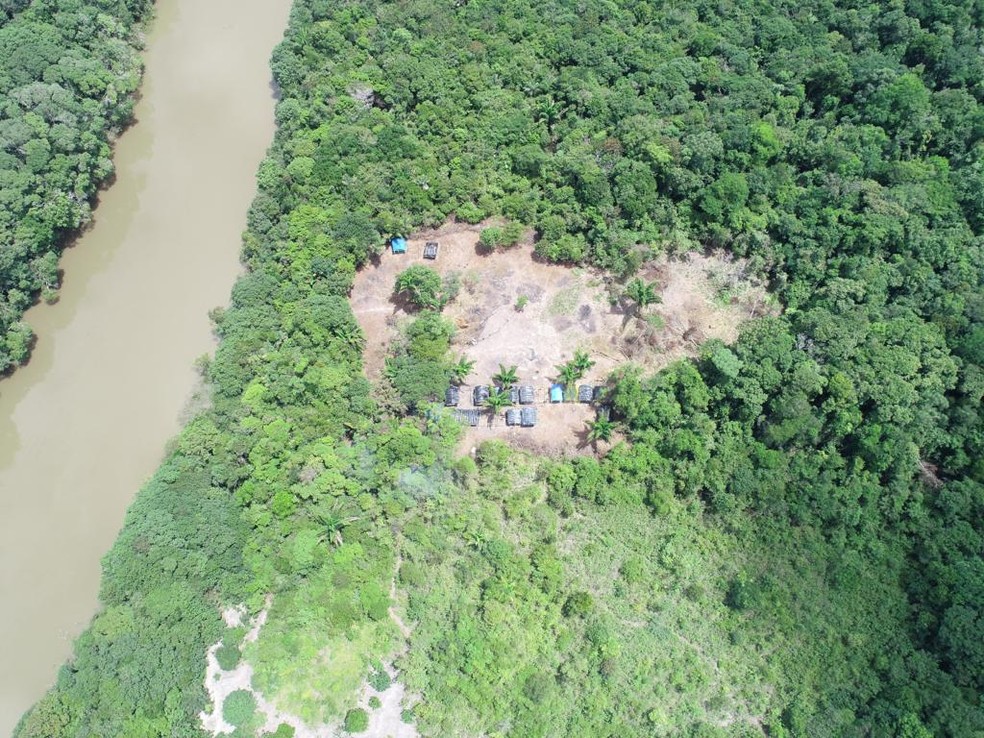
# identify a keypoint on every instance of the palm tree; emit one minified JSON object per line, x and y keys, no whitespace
{"x":568,"y":374}
{"x":497,"y":400}
{"x":332,"y":521}
{"x":582,"y":362}
{"x":506,"y":378}
{"x":351,"y":334}
{"x":461,"y":370}
{"x":642,"y":294}
{"x":600,"y":430}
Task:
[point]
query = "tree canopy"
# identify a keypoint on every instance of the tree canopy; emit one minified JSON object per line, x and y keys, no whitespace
{"x":68,"y":71}
{"x":789,"y":540}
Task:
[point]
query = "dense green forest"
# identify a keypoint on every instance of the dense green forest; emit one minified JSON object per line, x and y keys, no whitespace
{"x":68,"y":71}
{"x":789,"y":542}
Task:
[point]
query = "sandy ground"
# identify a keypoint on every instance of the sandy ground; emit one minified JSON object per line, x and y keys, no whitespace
{"x":384,"y":721}
{"x":703,"y":297}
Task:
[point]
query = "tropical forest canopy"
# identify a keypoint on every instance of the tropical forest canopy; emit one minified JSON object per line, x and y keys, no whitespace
{"x":789,"y":539}
{"x":68,"y":70}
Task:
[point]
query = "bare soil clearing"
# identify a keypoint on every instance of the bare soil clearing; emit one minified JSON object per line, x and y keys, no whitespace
{"x":703,"y":297}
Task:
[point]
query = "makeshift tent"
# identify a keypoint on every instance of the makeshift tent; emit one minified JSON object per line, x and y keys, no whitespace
{"x":399,"y":245}
{"x":528,"y":417}
{"x":526,"y":394}
{"x":557,"y":393}
{"x":479,"y":395}
{"x":430,"y":250}
{"x":585,"y":393}
{"x":451,"y":396}
{"x":514,"y":395}
{"x":468,"y":417}
{"x":513,"y":416}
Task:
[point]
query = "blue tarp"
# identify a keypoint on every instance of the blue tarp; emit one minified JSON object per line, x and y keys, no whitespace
{"x":399,"y":245}
{"x":557,"y":393}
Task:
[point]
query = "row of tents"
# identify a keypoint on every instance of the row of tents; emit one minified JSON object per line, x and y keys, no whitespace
{"x":524,"y":417}
{"x":398,"y":245}
{"x":523,"y":394}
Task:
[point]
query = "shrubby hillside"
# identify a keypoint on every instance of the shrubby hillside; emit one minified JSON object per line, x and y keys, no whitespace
{"x":789,"y":542}
{"x":68,"y":71}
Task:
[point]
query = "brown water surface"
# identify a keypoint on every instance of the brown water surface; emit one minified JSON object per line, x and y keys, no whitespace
{"x":85,"y":423}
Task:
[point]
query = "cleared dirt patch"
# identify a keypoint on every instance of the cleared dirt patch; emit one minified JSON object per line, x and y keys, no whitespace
{"x":703,"y":297}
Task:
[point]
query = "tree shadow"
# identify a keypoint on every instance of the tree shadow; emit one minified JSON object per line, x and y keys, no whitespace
{"x":400,"y":301}
{"x":584,"y":440}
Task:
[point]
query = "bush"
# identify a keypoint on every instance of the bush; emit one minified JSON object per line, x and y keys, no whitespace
{"x":579,"y":603}
{"x":356,"y":720}
{"x":491,"y":237}
{"x":379,"y":679}
{"x":538,"y":687}
{"x":239,"y":708}
{"x":228,"y":655}
{"x":421,"y":285}
{"x":375,"y":703}
{"x":632,"y":569}
{"x":465,"y":469}
{"x":512,"y":232}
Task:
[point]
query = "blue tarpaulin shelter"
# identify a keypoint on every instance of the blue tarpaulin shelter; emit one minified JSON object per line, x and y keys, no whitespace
{"x":399,"y":245}
{"x":557,"y":393}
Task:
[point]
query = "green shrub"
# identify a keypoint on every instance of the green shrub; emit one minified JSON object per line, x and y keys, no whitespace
{"x":579,"y":603}
{"x":356,"y":720}
{"x":465,"y":469}
{"x":375,"y":703}
{"x":421,"y":285}
{"x":512,"y":233}
{"x":379,"y":679}
{"x":632,"y":569}
{"x":228,"y":655}
{"x":239,"y":708}
{"x":491,"y":237}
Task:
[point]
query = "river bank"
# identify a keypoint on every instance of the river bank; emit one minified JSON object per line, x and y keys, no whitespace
{"x":85,"y":422}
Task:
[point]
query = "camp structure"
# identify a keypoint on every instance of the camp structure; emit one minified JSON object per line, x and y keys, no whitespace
{"x":451,"y":396}
{"x":398,"y":245}
{"x":513,"y":416}
{"x":514,"y":395}
{"x":585,"y":393}
{"x":479,"y":395}
{"x":468,"y":417}
{"x":430,"y":250}
{"x":526,"y":394}
{"x":556,"y":393}
{"x":527,"y":417}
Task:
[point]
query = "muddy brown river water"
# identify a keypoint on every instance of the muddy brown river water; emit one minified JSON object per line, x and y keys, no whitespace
{"x":85,"y":423}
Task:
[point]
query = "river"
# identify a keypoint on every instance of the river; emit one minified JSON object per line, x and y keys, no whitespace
{"x":84,"y":424}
